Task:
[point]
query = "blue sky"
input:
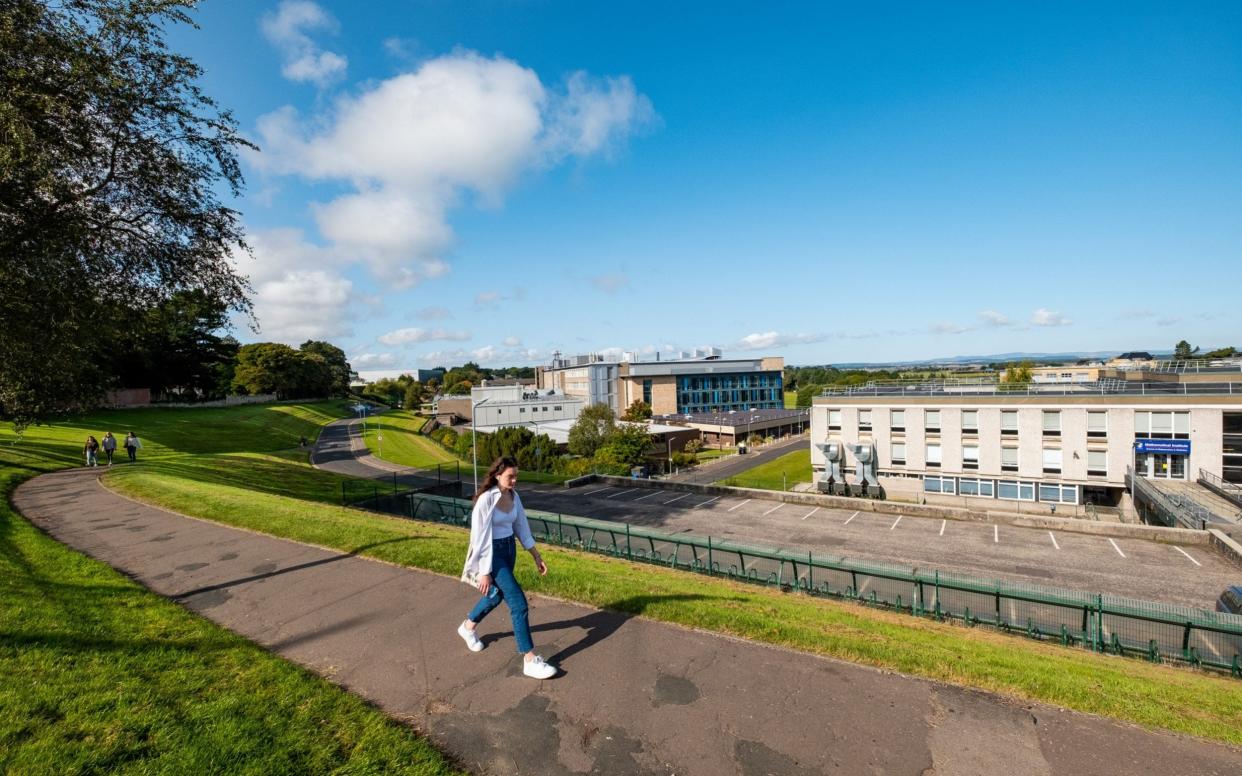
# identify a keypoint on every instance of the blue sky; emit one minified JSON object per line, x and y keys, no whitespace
{"x":443,"y":181}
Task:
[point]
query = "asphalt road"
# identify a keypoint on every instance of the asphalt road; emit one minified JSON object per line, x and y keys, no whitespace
{"x":736,"y":465}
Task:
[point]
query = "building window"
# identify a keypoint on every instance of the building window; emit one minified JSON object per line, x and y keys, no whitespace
{"x":970,"y":456}
{"x":1009,"y":422}
{"x":1162,"y":425}
{"x":1231,"y":449}
{"x":970,"y":421}
{"x":864,"y":420}
{"x":557,"y":408}
{"x":1097,"y":463}
{"x":933,"y":456}
{"x":834,"y":420}
{"x":973,"y":487}
{"x":647,"y":392}
{"x":931,"y":421}
{"x":545,"y":408}
{"x":522,"y":409}
{"x":897,"y":420}
{"x":938,"y":485}
{"x":1009,"y":459}
{"x":1058,"y":494}
{"x":1097,"y":424}
{"x":899,"y":453}
{"x":1052,"y":423}
{"x":1015,"y":491}
{"x":1052,"y":460}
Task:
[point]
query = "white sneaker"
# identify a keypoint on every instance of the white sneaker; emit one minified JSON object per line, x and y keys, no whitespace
{"x":472,"y":640}
{"x":535,"y":668}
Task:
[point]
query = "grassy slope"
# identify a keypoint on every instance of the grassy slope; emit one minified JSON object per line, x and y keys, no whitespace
{"x":101,"y":675}
{"x":1203,"y":705}
{"x":776,"y":473}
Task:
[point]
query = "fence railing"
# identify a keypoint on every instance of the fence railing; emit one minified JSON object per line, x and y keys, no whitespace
{"x":1223,"y":488}
{"x":441,"y":479}
{"x":1154,"y":505}
{"x":1101,"y":387}
{"x":1154,"y":631}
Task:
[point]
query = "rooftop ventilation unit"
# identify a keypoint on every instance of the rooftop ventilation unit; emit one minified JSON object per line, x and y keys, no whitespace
{"x":833,"y":480}
{"x":864,"y":473}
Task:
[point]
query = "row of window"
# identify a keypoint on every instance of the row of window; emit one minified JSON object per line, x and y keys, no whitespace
{"x":1008,"y":490}
{"x":730,"y":381}
{"x":1158,"y":425}
{"x":1097,"y":460}
{"x":532,"y":409}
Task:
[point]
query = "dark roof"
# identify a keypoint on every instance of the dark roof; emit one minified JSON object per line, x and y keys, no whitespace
{"x":1136,"y":355}
{"x":738,"y":418}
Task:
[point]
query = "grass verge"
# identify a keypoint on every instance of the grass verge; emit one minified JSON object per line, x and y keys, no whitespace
{"x":1153,"y":696}
{"x":777,"y":474}
{"x":103,"y":676}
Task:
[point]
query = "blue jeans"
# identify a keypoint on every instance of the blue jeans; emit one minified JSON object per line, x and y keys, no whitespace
{"x":505,"y":588}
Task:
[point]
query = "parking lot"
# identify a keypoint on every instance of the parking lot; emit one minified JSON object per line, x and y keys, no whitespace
{"x":1135,"y":568}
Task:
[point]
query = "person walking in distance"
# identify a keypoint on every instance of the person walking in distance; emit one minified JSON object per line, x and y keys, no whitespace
{"x":91,"y":448}
{"x":496,"y":521}
{"x":109,"y":446}
{"x":132,"y":446}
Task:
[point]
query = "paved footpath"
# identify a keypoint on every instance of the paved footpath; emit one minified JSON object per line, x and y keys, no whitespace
{"x":636,"y":696}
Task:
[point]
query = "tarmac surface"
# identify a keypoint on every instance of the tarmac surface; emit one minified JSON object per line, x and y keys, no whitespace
{"x":635,"y":696}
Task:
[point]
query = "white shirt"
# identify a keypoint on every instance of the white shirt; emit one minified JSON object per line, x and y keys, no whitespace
{"x":488,"y":523}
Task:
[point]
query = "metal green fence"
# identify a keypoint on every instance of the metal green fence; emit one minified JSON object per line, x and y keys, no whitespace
{"x":442,"y":479}
{"x":1154,"y":631}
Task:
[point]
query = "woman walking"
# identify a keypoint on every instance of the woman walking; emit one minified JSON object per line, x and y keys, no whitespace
{"x":109,"y":446}
{"x":91,"y":448}
{"x":131,"y":446}
{"x":497,"y":517}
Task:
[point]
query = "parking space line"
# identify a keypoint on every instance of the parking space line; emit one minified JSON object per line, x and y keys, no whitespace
{"x":735,"y":506}
{"x":622,"y":493}
{"x":1192,"y":560}
{"x":895,"y":522}
{"x":847,"y":522}
{"x":1207,"y":639}
{"x":1053,"y":537}
{"x":808,"y":514}
{"x":593,"y":492}
{"x":773,"y":509}
{"x":649,"y":495}
{"x":1115,"y":547}
{"x":679,"y":498}
{"x":710,"y":500}
{"x":996,"y":534}
{"x":943,"y":523}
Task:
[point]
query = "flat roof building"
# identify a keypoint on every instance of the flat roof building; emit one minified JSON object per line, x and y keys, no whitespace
{"x":1046,"y":444}
{"x":702,"y":381}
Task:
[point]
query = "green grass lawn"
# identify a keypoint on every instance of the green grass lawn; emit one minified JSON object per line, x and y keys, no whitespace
{"x":791,"y":400}
{"x":405,"y":446}
{"x":711,"y":454}
{"x":1199,"y":704}
{"x":102,"y":676}
{"x":777,"y":474}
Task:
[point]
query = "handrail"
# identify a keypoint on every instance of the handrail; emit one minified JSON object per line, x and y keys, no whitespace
{"x":1223,"y":488}
{"x":1169,"y":512}
{"x":1100,"y":387}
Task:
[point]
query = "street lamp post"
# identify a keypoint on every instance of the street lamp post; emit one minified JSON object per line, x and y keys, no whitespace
{"x":474,"y":447}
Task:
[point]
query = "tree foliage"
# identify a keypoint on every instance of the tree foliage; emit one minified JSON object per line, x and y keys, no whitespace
{"x":270,"y":367}
{"x":594,"y":424}
{"x":1183,"y":351}
{"x":638,"y":411}
{"x":111,"y":164}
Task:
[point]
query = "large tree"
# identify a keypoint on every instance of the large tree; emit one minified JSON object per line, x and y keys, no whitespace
{"x":112,"y":161}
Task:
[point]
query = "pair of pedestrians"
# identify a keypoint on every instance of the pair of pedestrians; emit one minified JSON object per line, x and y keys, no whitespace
{"x":108,"y":446}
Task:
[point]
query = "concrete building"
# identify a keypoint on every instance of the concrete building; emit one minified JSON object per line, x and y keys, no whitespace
{"x":702,"y":381}
{"x":507,"y":405}
{"x":729,"y":429}
{"x":1062,"y":444}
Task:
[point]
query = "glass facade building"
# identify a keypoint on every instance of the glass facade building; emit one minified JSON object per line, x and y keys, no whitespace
{"x":739,"y":391}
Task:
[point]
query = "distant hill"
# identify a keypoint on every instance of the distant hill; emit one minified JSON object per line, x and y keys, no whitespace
{"x":999,"y":358}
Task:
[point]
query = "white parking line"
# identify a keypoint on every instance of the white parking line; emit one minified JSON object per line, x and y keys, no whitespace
{"x":847,"y":522}
{"x":593,"y":492}
{"x":710,"y":500}
{"x":735,"y":506}
{"x":1192,"y":560}
{"x":808,"y":514}
{"x":996,"y":534}
{"x":1053,"y":537}
{"x":623,"y":492}
{"x":649,"y":495}
{"x":1115,"y":547}
{"x":1207,"y":639}
{"x":895,"y":522}
{"x":943,"y":523}
{"x":773,"y":509}
{"x":679,"y":498}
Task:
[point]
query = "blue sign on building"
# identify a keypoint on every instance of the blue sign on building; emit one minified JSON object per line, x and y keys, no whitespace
{"x":1166,"y":446}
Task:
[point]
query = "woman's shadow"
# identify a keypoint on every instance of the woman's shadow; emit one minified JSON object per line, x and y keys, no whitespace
{"x":598,"y":625}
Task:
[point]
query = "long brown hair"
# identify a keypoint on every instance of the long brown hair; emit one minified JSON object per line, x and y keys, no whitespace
{"x":493,"y":474}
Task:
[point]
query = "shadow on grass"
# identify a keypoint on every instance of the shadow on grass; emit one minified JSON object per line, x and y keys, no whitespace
{"x":274,"y":477}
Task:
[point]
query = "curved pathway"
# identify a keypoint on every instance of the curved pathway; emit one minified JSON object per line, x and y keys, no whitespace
{"x":636,"y":696}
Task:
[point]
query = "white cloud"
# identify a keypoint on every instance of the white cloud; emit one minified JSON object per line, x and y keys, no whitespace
{"x":773,"y":339}
{"x":415,"y":335}
{"x":511,"y":342}
{"x":293,"y":300}
{"x":610,"y":284}
{"x":433,"y":313}
{"x":946,"y":327}
{"x":993,"y":318}
{"x":372,"y":361}
{"x":287,"y":29}
{"x":1169,"y":320}
{"x":412,"y":146}
{"x":487,"y":298}
{"x":1046,"y":317}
